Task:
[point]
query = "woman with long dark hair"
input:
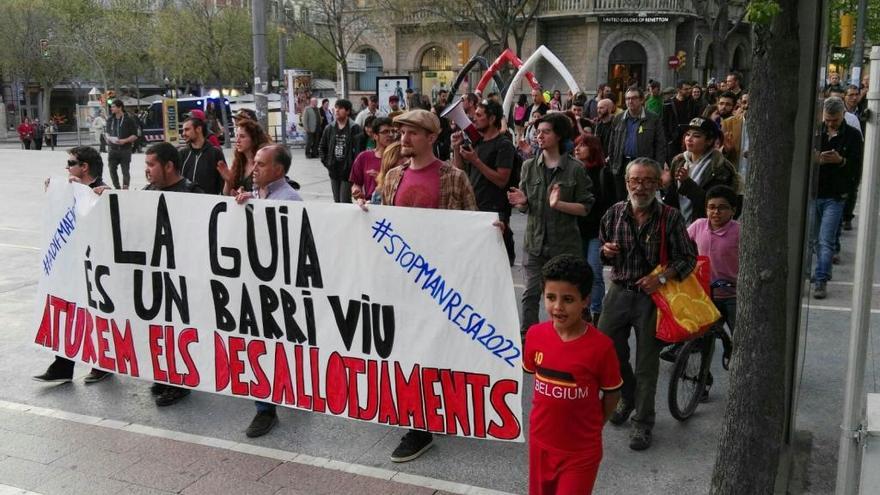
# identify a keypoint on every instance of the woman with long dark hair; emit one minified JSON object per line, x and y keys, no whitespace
{"x":249,"y":137}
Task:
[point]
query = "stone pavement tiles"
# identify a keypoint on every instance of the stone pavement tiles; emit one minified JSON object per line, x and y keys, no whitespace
{"x":44,"y":452}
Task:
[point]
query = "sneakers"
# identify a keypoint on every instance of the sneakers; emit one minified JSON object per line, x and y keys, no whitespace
{"x":819,"y":290}
{"x":621,"y":414}
{"x":171,"y":395}
{"x":53,"y":376}
{"x":96,"y":376}
{"x":412,"y":445}
{"x":157,"y":388}
{"x":262,"y":423}
{"x":640,"y":438}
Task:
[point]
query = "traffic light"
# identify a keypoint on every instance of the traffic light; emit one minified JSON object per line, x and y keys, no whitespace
{"x":110,"y":96}
{"x":682,"y":58}
{"x":847,"y":22}
{"x":44,"y":48}
{"x":464,"y":52}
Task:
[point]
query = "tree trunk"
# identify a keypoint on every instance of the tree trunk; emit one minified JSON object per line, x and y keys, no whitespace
{"x":752,"y":434}
{"x":47,"y":98}
{"x":344,"y":76}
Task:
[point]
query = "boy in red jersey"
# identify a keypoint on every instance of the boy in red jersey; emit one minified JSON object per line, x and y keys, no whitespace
{"x":577,"y":384}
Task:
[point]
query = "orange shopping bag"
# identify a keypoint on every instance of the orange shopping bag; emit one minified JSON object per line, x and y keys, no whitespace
{"x":684,"y":308}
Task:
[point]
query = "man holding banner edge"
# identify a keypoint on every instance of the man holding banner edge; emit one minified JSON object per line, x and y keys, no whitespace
{"x":271,"y":164}
{"x":85,"y":166}
{"x":424,"y":182}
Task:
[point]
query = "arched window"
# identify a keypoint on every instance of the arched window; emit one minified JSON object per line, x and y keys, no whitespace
{"x":626,"y":67}
{"x":436,"y":71}
{"x":740,"y":64}
{"x":366,"y":81}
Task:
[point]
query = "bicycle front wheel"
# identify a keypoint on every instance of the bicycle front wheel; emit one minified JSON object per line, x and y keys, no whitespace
{"x":689,"y":377}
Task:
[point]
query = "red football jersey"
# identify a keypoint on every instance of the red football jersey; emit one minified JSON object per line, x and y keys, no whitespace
{"x":566,"y":407}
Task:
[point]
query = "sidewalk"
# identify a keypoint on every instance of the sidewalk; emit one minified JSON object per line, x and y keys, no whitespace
{"x":47,"y":451}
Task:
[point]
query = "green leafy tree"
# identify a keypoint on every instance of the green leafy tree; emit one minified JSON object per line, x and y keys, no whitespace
{"x":496,"y":22}
{"x":200,"y":43}
{"x":872,"y":23}
{"x":716,"y":14}
{"x":336,"y":26}
{"x":300,"y":52}
{"x":125,"y":31}
{"x":23,"y":24}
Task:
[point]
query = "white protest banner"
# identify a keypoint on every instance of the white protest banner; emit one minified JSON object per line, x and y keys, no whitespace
{"x":398,"y":316}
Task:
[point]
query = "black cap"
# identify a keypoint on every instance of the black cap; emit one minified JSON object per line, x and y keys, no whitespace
{"x":706,"y":126}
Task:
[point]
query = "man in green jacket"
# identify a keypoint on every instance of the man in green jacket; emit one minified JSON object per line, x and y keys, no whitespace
{"x":554,"y":191}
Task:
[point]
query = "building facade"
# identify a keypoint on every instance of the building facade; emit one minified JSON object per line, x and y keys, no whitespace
{"x":619,"y":42}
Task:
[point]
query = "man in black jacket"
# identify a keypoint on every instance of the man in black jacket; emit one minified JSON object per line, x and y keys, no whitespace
{"x":201,"y":161}
{"x":121,"y":133}
{"x":162,"y":166}
{"x":338,"y":149}
{"x":636,"y":133}
{"x":839,"y":159}
{"x":677,"y":113}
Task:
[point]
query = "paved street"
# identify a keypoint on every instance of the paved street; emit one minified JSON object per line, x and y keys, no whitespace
{"x":111,"y":438}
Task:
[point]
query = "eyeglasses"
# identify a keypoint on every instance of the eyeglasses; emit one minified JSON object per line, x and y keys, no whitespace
{"x":639,"y":181}
{"x":718,"y":208}
{"x":73,"y":163}
{"x":388,"y":132}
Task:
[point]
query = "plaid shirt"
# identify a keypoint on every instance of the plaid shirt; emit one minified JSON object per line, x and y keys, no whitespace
{"x":456,"y":192}
{"x":619,"y":225}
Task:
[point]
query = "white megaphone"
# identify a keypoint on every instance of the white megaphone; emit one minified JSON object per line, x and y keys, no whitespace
{"x":458,"y":115}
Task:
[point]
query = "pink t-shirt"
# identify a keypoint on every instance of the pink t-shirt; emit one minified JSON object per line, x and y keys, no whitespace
{"x":722,"y":248}
{"x":366,"y":161}
{"x":420,"y":188}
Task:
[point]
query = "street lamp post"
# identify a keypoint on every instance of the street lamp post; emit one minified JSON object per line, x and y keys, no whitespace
{"x":281,"y":43}
{"x":261,"y":69}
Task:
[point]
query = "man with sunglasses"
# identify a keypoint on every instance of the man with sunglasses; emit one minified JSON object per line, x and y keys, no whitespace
{"x":84,"y":165}
{"x":630,"y":233}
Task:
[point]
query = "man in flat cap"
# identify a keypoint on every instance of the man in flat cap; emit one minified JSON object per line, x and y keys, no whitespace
{"x":423,"y":181}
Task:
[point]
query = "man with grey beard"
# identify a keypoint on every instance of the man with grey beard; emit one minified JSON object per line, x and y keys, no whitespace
{"x":630,"y":235}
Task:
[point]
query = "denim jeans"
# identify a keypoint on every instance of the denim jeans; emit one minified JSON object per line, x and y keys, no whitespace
{"x":592,"y":248}
{"x":826,"y":220}
{"x":727,"y":308}
{"x":341,"y":191}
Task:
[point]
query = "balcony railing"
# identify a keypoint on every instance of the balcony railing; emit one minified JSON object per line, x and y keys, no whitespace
{"x":575,"y":7}
{"x":563,"y":8}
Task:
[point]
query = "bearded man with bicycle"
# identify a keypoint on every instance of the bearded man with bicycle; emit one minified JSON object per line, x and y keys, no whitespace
{"x":630,"y":235}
